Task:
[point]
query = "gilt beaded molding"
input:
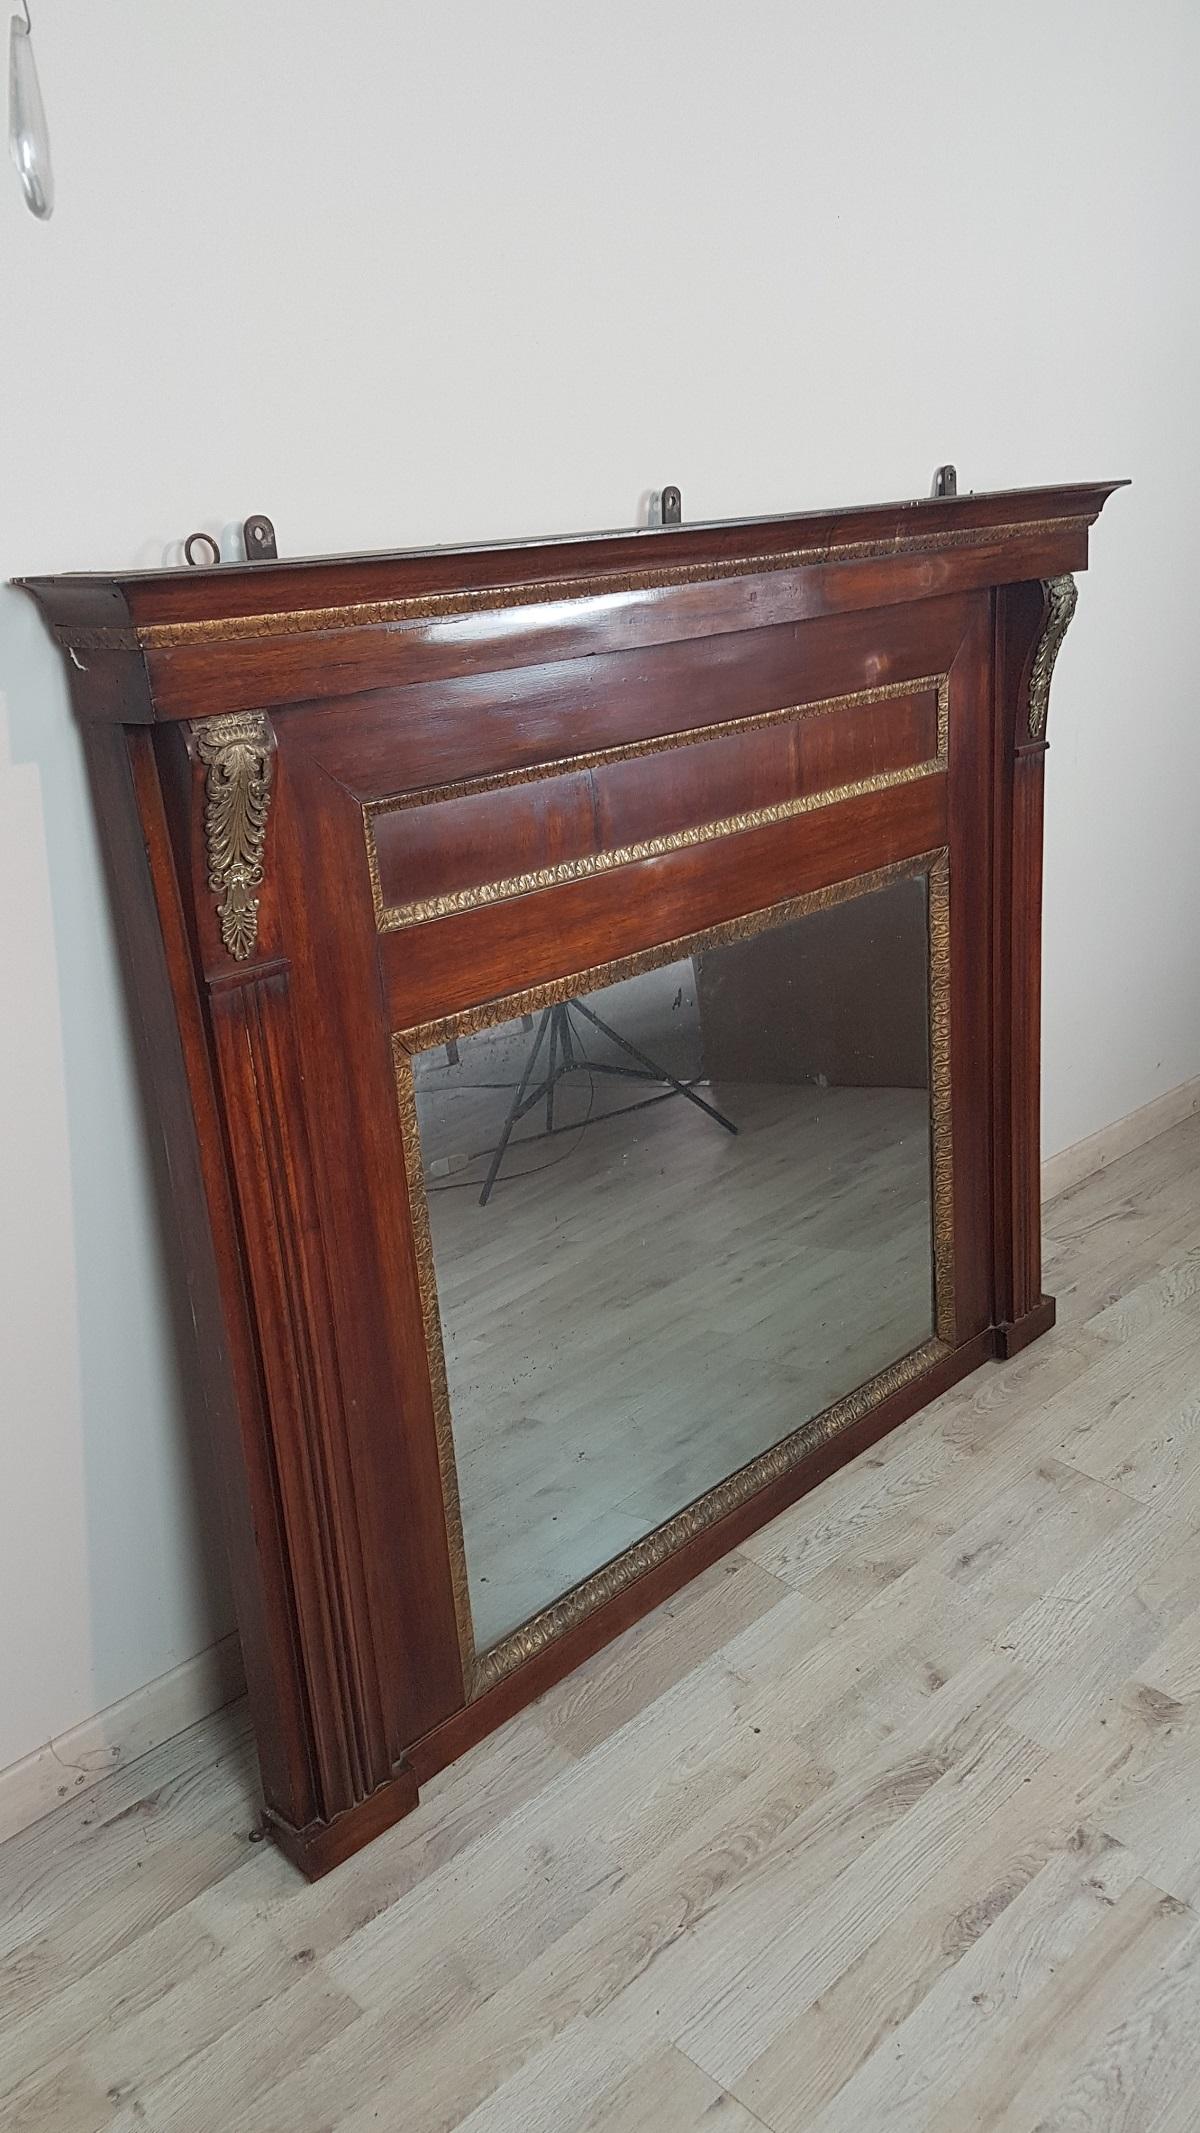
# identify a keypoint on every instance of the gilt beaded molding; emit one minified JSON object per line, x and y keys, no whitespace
{"x":436,"y":606}
{"x":391,"y":917}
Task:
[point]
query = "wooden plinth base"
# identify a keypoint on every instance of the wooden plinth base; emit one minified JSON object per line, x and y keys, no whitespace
{"x":1019,"y":1332}
{"x":320,"y":1846}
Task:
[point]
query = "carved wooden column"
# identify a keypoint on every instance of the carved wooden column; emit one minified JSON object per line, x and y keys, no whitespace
{"x":1032,"y":620}
{"x":144,"y":820}
{"x":246,"y":968}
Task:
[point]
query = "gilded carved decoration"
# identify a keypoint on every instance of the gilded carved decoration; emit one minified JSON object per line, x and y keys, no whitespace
{"x":237,"y":751}
{"x":1061,"y":596}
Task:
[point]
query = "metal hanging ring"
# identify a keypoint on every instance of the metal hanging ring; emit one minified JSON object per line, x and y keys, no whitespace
{"x":200,"y":562}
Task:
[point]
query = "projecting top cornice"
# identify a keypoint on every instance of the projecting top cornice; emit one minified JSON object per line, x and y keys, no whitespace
{"x":383,"y":618}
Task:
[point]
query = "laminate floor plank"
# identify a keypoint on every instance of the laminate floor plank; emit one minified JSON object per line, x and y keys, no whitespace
{"x":889,"y":1821}
{"x":1079,"y":1641}
{"x":819,"y":2048}
{"x":772,"y":1844}
{"x":602,"y":1695}
{"x":173,"y":1988}
{"x":953,"y":2064}
{"x":1142,"y":2073}
{"x":1100,"y":1978}
{"x":202,"y":1781}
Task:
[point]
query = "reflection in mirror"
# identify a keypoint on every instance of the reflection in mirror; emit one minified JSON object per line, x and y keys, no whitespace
{"x":672,"y":1220}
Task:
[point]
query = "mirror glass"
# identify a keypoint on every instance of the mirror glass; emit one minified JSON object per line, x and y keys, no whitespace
{"x":672,"y":1220}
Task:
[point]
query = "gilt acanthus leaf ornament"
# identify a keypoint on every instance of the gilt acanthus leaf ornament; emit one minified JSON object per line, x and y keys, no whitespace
{"x":236,"y":749}
{"x":1061,"y":595}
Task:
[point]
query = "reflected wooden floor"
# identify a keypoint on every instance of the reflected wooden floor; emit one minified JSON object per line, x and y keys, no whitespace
{"x":891,"y":1821}
{"x":659,"y":1303}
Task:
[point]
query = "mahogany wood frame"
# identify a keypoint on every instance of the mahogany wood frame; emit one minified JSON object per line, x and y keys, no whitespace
{"x":343,"y":800}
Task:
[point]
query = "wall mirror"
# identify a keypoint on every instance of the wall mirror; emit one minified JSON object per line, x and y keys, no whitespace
{"x":591,"y":991}
{"x":674,"y":1213}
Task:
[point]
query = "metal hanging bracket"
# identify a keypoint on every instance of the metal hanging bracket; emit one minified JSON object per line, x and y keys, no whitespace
{"x":945,"y":481}
{"x":258,"y":539}
{"x":671,"y":504}
{"x":258,"y":544}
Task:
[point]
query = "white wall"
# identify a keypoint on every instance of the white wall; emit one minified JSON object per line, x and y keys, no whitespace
{"x":396,"y":273}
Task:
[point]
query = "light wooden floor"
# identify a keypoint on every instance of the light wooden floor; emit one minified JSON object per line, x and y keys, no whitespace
{"x":892,"y":1820}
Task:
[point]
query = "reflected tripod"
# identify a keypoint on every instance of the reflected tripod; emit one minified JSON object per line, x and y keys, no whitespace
{"x":564,"y":1057}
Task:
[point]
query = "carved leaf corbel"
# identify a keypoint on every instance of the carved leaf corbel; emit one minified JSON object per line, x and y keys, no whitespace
{"x":236,"y":749}
{"x":1061,"y":595}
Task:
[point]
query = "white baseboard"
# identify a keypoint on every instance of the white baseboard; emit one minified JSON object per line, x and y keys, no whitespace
{"x":1071,"y":1165}
{"x":88,"y":1752}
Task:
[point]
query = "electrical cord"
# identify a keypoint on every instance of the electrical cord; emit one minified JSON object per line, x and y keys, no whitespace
{"x":535,"y":1169}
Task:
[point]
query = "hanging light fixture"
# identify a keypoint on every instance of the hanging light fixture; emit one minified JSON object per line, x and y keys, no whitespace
{"x":28,"y":138}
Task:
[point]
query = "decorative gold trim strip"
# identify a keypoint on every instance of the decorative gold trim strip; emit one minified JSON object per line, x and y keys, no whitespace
{"x":660,"y":744}
{"x":473,"y":600}
{"x":236,"y":749}
{"x":942,"y":1139}
{"x":431,"y":1320}
{"x":728,"y":1495}
{"x":482,"y":1671}
{"x":390,"y":918}
{"x":395,"y":918}
{"x":1061,"y":598}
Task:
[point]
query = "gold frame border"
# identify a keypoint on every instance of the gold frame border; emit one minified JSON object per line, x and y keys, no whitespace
{"x":941,"y":1137}
{"x":390,"y":918}
{"x":435,"y":1356}
{"x":612,"y":1578}
{"x":532,"y":592}
{"x":482,"y":1670}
